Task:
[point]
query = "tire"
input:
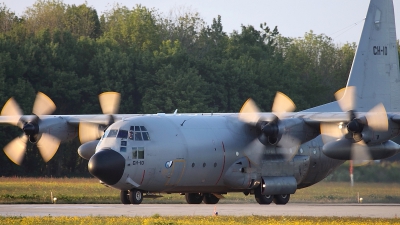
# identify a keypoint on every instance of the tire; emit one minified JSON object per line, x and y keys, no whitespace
{"x":125,"y":198}
{"x":135,"y":196}
{"x":210,"y":199}
{"x":193,"y":198}
{"x":281,"y":199}
{"x":262,"y":199}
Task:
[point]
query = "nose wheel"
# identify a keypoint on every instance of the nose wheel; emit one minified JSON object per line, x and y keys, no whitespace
{"x":135,"y":196}
{"x":125,"y":198}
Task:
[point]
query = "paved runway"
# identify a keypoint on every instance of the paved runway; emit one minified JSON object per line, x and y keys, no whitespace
{"x":340,"y":210}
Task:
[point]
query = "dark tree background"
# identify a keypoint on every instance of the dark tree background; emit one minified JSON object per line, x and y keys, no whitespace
{"x":158,"y":63}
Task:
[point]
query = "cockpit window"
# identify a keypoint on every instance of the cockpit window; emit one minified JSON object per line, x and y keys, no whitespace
{"x":138,"y":136}
{"x":123,"y":134}
{"x":116,"y":133}
{"x":112,"y":133}
{"x":138,"y":133}
{"x":146,"y":136}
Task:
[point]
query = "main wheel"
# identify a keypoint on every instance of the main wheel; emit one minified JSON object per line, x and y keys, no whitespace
{"x":281,"y":199}
{"x":135,"y":196}
{"x":210,"y":199}
{"x":193,"y":198}
{"x":262,"y":199}
{"x":125,"y":198}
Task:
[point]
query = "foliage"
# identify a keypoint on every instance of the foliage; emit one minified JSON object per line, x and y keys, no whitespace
{"x":158,"y":63}
{"x":203,"y":220}
{"x":89,"y":190}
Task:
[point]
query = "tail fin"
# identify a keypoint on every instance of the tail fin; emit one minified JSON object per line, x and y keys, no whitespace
{"x":375,"y":71}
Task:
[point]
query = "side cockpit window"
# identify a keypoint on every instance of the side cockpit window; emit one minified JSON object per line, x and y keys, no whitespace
{"x":122,"y":134}
{"x":138,"y":133}
{"x":117,"y":133}
{"x":112,"y":133}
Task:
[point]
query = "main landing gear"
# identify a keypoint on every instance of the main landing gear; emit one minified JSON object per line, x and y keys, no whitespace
{"x":197,"y":198}
{"x":268,"y":199}
{"x":134,"y":197}
{"x":277,"y":199}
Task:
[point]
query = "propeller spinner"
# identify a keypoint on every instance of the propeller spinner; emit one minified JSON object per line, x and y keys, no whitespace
{"x":46,"y":143}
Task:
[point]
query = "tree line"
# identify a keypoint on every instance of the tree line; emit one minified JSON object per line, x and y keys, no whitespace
{"x":157,"y":62}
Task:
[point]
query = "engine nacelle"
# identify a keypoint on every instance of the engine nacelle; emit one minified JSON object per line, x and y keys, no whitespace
{"x":285,"y":130}
{"x":278,"y":185}
{"x":342,"y":150}
{"x":88,"y":149}
{"x":57,"y":127}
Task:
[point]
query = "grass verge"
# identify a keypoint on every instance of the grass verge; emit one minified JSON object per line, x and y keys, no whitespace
{"x":231,"y":220}
{"x":89,"y":190}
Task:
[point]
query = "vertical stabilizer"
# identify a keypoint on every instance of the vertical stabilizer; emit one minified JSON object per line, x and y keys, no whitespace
{"x":375,"y":70}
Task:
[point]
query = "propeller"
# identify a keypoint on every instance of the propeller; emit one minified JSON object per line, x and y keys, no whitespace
{"x":109,"y":102}
{"x":46,"y":143}
{"x":269,"y":129}
{"x":338,"y":138}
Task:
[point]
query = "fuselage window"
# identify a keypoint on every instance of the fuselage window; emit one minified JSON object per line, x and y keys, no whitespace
{"x":140,"y":152}
{"x":123,"y":134}
{"x":137,"y":152}
{"x":112,"y":133}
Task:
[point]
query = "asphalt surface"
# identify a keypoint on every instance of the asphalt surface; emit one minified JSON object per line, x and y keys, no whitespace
{"x":339,"y":210}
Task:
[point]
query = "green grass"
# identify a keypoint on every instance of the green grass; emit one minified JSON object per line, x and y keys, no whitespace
{"x":89,"y":190}
{"x":201,"y":220}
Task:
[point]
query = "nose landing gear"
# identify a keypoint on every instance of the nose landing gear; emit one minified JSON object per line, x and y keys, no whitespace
{"x":134,"y":197}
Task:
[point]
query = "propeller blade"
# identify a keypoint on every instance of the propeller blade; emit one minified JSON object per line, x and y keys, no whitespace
{"x":15,"y":150}
{"x":377,"y":118}
{"x":48,"y":146}
{"x":12,"y":109}
{"x":88,"y":132}
{"x":290,"y":145}
{"x":331,"y":132}
{"x":109,"y":102}
{"x":360,"y":152}
{"x":254,"y":151}
{"x":345,"y":98}
{"x":282,"y":104}
{"x":43,"y":105}
{"x":249,"y":112}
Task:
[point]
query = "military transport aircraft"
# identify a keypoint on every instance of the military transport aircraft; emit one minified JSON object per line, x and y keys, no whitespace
{"x":205,"y":156}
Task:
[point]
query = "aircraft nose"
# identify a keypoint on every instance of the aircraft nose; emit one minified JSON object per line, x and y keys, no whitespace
{"x":107,"y":165}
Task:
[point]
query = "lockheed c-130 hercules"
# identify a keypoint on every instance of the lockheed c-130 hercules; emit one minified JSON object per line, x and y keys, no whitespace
{"x":205,"y":156}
